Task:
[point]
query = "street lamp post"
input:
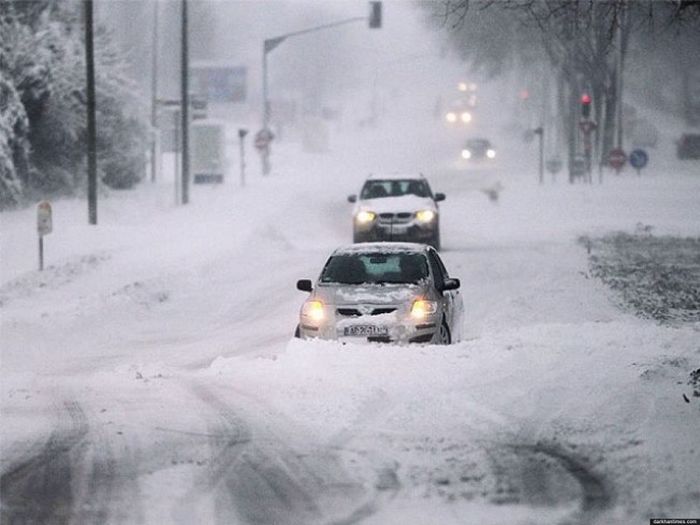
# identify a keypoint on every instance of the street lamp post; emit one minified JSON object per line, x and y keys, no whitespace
{"x":540,"y":134}
{"x":375,"y":22}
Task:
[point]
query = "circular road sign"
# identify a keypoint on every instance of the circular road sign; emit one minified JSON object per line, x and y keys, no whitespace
{"x":617,"y":158}
{"x":263,"y":138}
{"x":639,"y":159}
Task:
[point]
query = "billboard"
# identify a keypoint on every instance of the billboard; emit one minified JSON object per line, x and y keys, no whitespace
{"x":219,"y":83}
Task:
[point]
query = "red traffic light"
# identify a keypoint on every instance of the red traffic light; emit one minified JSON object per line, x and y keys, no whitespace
{"x":585,"y":98}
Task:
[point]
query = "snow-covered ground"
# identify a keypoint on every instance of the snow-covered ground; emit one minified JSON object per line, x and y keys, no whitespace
{"x":149,"y":374}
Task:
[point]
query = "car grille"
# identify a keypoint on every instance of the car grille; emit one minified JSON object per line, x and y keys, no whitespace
{"x":395,"y":218}
{"x":354,"y":312}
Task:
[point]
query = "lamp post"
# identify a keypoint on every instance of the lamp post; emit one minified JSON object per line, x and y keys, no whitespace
{"x":375,"y":22}
{"x":91,"y":119}
{"x":185,"y":107}
{"x":540,"y":134}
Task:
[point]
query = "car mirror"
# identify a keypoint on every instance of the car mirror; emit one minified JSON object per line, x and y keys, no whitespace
{"x":440,"y":197}
{"x":305,"y":285}
{"x":451,"y":284}
{"x":352,"y":198}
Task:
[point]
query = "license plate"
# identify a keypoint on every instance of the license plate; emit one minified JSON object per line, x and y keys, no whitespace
{"x":365,"y":330}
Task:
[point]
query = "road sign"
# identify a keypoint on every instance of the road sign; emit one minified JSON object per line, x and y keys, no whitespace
{"x":639,"y":159}
{"x":263,"y":139}
{"x":617,"y":158}
{"x":219,"y":83}
{"x":587,"y":126}
{"x":44,"y":224}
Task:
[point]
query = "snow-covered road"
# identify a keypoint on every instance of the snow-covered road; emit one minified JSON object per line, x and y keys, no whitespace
{"x":149,"y":374}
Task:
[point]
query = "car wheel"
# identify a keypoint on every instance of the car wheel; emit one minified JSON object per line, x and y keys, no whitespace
{"x":297,"y":332}
{"x":443,"y":336}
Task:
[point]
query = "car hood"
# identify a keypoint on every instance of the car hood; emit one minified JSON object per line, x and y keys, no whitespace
{"x":405,"y":203}
{"x":374,"y":294}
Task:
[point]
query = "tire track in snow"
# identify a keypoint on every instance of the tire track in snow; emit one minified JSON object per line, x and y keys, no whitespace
{"x":37,"y":489}
{"x":72,"y":477}
{"x":259,"y":478}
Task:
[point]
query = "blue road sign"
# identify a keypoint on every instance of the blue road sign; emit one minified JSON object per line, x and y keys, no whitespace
{"x":639,"y":159}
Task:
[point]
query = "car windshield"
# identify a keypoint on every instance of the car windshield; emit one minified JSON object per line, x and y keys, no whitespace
{"x":481,"y":144}
{"x":375,"y":189}
{"x":375,"y":268}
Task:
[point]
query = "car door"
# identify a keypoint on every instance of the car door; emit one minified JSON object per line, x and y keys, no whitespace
{"x":453,"y":298}
{"x":439,"y":276}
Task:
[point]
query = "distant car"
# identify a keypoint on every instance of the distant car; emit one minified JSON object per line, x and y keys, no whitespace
{"x":382,"y":292}
{"x":397,"y":207}
{"x":688,"y":147}
{"x":459,"y":110}
{"x":478,"y":149}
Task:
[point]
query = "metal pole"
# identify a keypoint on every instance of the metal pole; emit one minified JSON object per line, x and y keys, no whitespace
{"x":242,"y":155}
{"x":541,"y":155}
{"x":185,"y":106}
{"x":176,"y":156}
{"x":154,"y":92}
{"x":620,"y":67}
{"x":265,"y":152}
{"x":41,"y":253}
{"x":91,"y":124}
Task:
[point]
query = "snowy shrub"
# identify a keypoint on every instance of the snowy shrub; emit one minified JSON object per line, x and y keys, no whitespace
{"x":14,"y":145}
{"x":659,"y":277}
{"x":43,"y":60}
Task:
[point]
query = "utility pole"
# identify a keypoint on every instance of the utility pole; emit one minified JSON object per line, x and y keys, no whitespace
{"x":154,"y":93}
{"x":620,"y":67}
{"x":184,"y":110}
{"x":91,"y":124}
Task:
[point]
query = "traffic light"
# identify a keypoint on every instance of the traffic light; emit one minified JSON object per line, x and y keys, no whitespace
{"x":375,"y":15}
{"x":586,"y":105}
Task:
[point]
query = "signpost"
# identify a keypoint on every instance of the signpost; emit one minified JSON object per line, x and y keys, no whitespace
{"x":241,"y":137}
{"x":587,"y":127}
{"x":44,"y":226}
{"x":617,"y":159}
{"x":638,"y":159}
{"x":262,"y":141}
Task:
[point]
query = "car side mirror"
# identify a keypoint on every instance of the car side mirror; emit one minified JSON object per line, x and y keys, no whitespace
{"x":451,"y":284}
{"x":305,"y":285}
{"x":352,"y":198}
{"x":440,"y":197}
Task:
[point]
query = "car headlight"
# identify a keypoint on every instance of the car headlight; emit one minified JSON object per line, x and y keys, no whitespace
{"x":491,"y":153}
{"x":313,"y":310}
{"x":466,"y":154}
{"x":451,"y":117}
{"x":422,"y":308}
{"x":466,"y":117}
{"x":425,"y":215}
{"x":364,"y":216}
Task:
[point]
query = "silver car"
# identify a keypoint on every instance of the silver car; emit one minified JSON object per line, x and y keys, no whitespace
{"x":383,"y":292}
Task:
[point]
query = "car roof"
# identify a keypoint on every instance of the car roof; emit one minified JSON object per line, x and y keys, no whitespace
{"x":396,"y":176}
{"x":381,"y":247}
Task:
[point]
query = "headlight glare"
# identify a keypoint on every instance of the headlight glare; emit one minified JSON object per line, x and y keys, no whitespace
{"x":491,"y":153}
{"x":313,"y":310}
{"x":365,"y":216}
{"x":422,"y":308}
{"x":451,"y":117}
{"x":466,"y":154}
{"x":466,"y":117}
{"x":425,"y":215}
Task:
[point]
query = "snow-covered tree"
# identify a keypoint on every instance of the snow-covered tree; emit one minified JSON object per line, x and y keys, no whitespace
{"x":43,"y":61}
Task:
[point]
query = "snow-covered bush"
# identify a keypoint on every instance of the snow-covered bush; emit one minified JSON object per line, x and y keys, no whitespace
{"x":42,"y":58}
{"x":14,"y":145}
